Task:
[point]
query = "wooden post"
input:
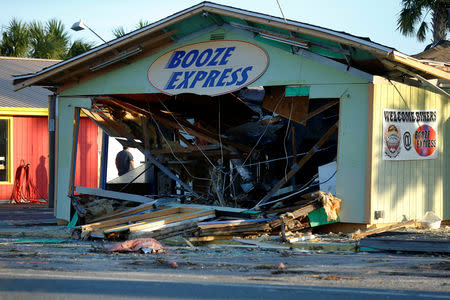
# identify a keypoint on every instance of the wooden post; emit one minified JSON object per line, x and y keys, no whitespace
{"x":51,"y":149}
{"x":76,"y":125}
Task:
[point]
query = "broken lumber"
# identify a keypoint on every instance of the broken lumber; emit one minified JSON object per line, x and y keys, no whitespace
{"x":361,"y":235}
{"x":125,"y":219}
{"x":113,"y":195}
{"x":121,"y":212}
{"x":158,"y":221}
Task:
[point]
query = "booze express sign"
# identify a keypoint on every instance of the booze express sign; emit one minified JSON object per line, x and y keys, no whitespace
{"x":409,"y":134}
{"x":208,"y":68}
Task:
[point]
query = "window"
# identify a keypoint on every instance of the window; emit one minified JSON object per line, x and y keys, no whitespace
{"x":5,"y":149}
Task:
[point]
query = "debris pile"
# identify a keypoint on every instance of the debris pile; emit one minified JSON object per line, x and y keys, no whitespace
{"x":238,"y":164}
{"x":204,"y":223}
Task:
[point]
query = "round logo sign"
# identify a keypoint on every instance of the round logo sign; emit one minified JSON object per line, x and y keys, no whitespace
{"x":424,"y":140}
{"x":392,"y":139}
{"x":208,"y":68}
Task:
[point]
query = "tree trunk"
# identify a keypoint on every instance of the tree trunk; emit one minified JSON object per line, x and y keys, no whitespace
{"x":439,"y":21}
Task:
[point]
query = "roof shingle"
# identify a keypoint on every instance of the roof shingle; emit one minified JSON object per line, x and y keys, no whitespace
{"x":31,"y":97}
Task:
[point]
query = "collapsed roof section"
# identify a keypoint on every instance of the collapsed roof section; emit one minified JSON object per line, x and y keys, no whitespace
{"x":232,"y":148}
{"x":356,"y":52}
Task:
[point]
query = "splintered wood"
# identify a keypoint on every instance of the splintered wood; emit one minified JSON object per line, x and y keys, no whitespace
{"x":207,"y":222}
{"x":147,"y":220}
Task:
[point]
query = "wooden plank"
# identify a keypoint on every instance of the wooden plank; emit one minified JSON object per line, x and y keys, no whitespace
{"x":302,"y":212}
{"x":299,"y":165}
{"x":294,"y":108}
{"x":155,"y":222}
{"x":260,"y":244}
{"x":114,"y":195}
{"x":383,"y":229}
{"x":318,"y":111}
{"x":420,"y":66}
{"x":217,"y":208}
{"x":133,"y":218}
{"x":172,"y":220}
{"x":211,"y":238}
{"x":396,"y":244}
{"x":167,"y":230}
{"x":179,"y":224}
{"x":230,"y":223}
{"x":125,"y":212}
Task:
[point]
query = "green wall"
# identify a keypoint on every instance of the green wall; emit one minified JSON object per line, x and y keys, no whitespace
{"x":64,"y":135}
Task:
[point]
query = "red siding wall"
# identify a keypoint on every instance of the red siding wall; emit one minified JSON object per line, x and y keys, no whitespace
{"x":87,"y":154}
{"x":30,"y":144}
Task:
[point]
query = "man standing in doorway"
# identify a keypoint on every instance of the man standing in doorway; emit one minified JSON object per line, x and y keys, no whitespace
{"x":124,"y":161}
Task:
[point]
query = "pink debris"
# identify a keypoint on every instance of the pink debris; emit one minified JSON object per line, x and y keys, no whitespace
{"x":281,"y":266}
{"x":136,"y":245}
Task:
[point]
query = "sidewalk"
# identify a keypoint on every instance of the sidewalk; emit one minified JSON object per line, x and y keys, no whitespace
{"x":30,"y":220}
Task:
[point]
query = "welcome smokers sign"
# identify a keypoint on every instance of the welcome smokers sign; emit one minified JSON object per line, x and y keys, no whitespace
{"x":409,"y":134}
{"x":208,"y":68}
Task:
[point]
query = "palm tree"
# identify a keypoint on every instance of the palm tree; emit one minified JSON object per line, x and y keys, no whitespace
{"x":142,"y":23}
{"x":49,"y":41}
{"x":78,"y":47}
{"x":15,"y":40}
{"x":120,"y":31}
{"x":414,"y":12}
{"x":59,"y":37}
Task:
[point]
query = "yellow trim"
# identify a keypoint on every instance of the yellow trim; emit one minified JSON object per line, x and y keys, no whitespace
{"x":10,"y":151}
{"x":29,"y":59}
{"x":23,"y":111}
{"x":420,"y":66}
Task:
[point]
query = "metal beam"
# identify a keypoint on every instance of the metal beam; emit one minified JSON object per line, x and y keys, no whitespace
{"x":332,"y":63}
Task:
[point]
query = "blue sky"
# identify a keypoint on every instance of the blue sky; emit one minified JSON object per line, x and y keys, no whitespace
{"x":376,"y":19}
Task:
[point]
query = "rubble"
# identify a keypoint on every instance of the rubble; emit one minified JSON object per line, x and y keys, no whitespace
{"x":202,"y":222}
{"x":242,"y":164}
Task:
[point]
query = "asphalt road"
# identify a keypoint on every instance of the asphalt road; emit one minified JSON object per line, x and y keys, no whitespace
{"x":71,"y":286}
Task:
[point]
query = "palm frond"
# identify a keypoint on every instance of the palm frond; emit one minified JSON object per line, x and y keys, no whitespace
{"x":142,"y":23}
{"x":119,"y":32}
{"x":422,"y":31}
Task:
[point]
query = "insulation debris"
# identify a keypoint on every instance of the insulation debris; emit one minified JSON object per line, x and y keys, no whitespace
{"x":146,"y":245}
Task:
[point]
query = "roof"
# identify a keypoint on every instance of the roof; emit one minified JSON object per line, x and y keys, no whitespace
{"x":437,"y":54}
{"x":357,"y":52}
{"x":32,"y":97}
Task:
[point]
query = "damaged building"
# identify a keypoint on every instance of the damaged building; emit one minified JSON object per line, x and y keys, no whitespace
{"x":234,"y":108}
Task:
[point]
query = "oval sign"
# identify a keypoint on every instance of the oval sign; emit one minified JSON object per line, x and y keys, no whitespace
{"x":208,"y":68}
